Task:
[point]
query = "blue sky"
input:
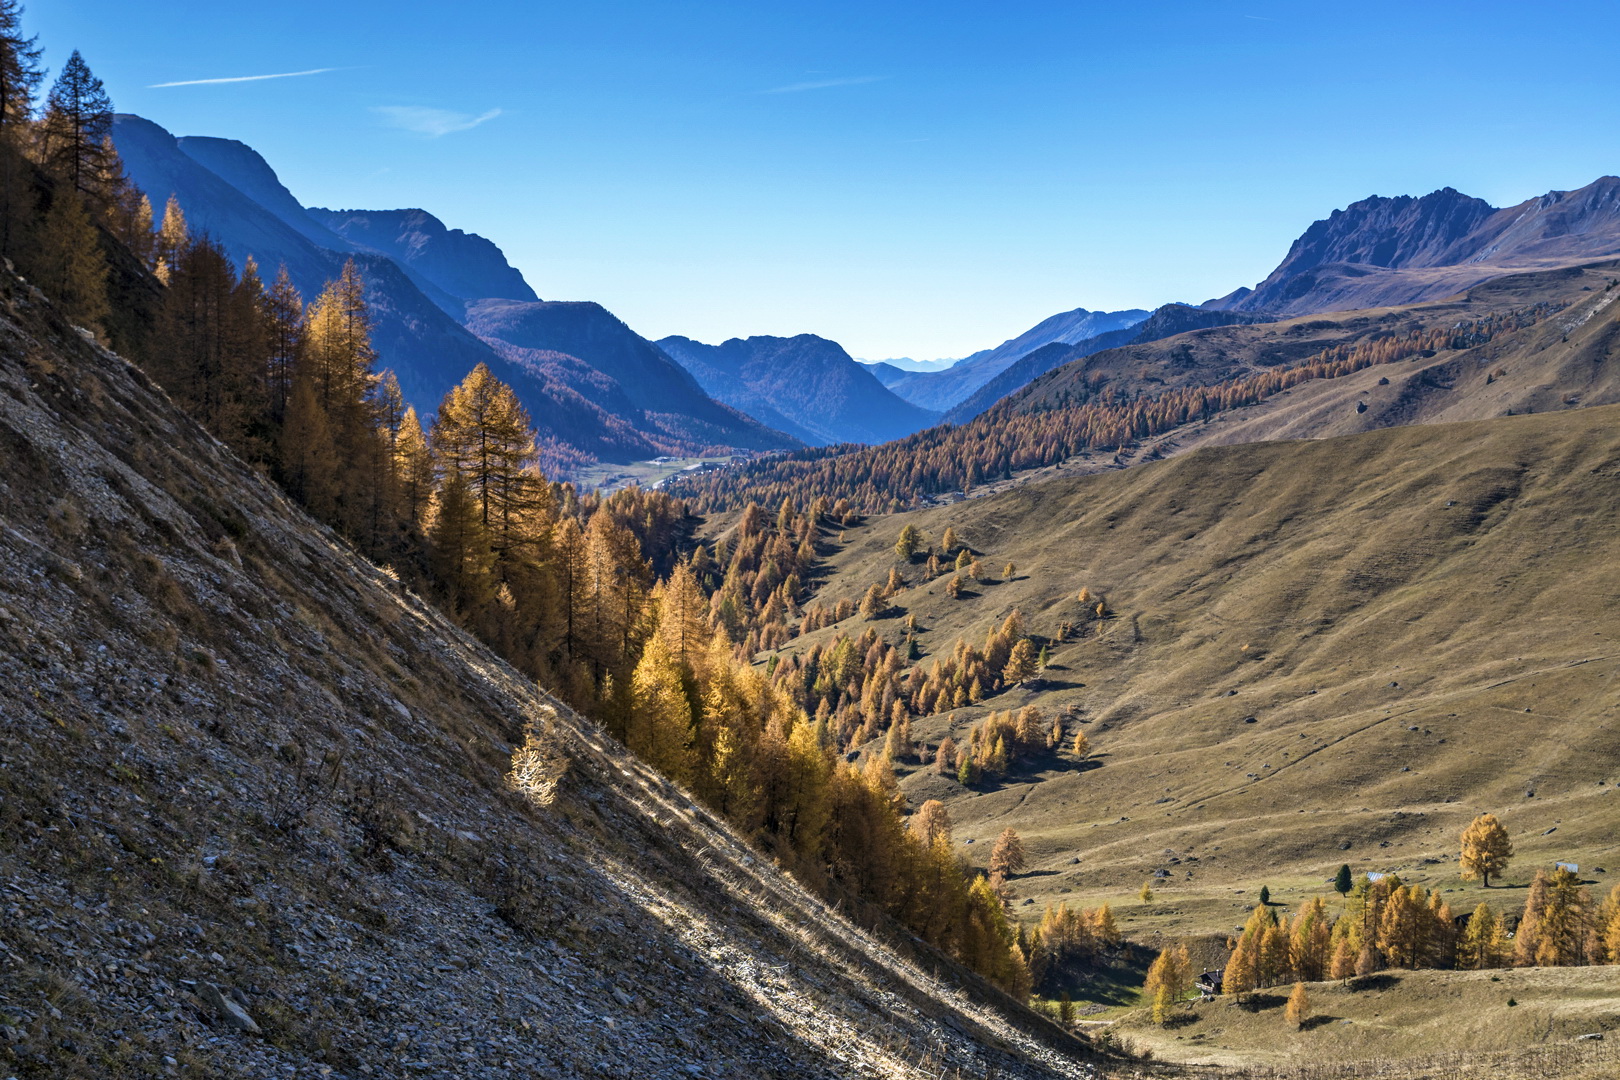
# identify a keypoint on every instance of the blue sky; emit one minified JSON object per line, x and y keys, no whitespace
{"x":920,"y":179}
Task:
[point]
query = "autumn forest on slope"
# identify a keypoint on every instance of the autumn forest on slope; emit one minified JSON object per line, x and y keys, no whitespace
{"x":1261,"y":644}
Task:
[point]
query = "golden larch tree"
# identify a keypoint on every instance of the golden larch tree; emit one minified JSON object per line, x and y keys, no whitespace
{"x":1486,"y":849}
{"x":1007,"y":857}
{"x":1298,"y":1009}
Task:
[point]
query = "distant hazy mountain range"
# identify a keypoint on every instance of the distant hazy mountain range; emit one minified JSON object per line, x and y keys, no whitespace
{"x":906,"y":365}
{"x":805,"y":385}
{"x":943,"y":389}
{"x":444,"y":301}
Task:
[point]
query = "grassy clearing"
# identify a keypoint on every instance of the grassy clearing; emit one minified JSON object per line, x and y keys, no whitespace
{"x":1420,"y":622}
{"x":1392,"y":1016}
{"x":609,"y":477}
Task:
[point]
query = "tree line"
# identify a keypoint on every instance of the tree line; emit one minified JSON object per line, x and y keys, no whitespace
{"x":1386,"y":923}
{"x":1087,"y":416}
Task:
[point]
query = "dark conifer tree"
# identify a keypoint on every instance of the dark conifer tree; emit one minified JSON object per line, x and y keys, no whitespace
{"x":20,"y":70}
{"x":75,"y":129}
{"x":70,"y":267}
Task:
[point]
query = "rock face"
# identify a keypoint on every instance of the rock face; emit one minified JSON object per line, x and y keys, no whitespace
{"x":1402,"y":250}
{"x":236,"y":757}
{"x":805,"y":385}
{"x":230,"y":1013}
{"x":462,"y":264}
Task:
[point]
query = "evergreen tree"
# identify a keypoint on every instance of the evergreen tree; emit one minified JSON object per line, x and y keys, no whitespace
{"x":71,"y":269}
{"x":931,"y":824}
{"x":1486,"y":849}
{"x":1342,"y":881}
{"x":20,"y":70}
{"x":173,"y":238}
{"x":1482,"y":944}
{"x":286,"y":313}
{"x":1298,"y":1009}
{"x":1021,"y":663}
{"x":1168,"y":979}
{"x":909,"y":541}
{"x":660,"y":731}
{"x":1007,"y":857}
{"x":74,"y":130}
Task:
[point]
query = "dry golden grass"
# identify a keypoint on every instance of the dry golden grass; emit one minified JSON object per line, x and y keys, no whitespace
{"x":1459,"y":1019}
{"x":1419,"y":621}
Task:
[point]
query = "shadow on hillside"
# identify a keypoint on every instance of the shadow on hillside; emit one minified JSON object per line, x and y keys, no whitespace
{"x":1259,"y":1002}
{"x":1317,"y":1021}
{"x":1382,"y":981}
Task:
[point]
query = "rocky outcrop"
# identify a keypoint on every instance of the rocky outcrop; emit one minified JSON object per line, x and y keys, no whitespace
{"x":1388,"y":251}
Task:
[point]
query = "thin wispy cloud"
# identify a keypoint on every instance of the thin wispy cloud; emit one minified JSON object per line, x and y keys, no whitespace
{"x":432,"y":122}
{"x":824,"y":84}
{"x":241,"y":78}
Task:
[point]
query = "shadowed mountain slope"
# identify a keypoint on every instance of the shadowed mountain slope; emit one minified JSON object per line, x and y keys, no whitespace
{"x":1404,"y":250}
{"x":673,"y":403}
{"x":247,"y":780}
{"x":577,"y":408}
{"x":462,"y":264}
{"x":806,"y":382}
{"x":940,"y":390}
{"x":1167,"y":321}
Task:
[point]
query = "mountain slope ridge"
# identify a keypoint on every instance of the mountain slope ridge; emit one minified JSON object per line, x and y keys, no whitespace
{"x":418,"y":326}
{"x":809,"y":381}
{"x":1403,"y":250}
{"x":239,"y":761}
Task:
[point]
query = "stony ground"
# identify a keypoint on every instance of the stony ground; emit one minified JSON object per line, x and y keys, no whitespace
{"x":255,"y":818}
